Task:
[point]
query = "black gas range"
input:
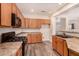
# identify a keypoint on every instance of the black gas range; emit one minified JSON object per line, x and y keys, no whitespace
{"x":11,"y":37}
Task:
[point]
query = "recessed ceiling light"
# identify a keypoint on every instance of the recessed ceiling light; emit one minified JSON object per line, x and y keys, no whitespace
{"x":43,"y":11}
{"x":32,"y":10}
{"x":60,"y":3}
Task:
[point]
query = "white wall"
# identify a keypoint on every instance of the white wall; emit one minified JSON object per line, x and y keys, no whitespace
{"x":53,"y":25}
{"x":72,"y":15}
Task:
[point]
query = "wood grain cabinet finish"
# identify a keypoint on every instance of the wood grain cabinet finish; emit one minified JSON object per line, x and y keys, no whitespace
{"x":34,"y":23}
{"x":23,"y":22}
{"x":45,"y":21}
{"x":19,"y":52}
{"x":19,"y":14}
{"x":5,"y":16}
{"x":54,"y":42}
{"x":14,"y":8}
{"x":27,"y":22}
{"x":34,"y":37}
{"x":60,"y":45}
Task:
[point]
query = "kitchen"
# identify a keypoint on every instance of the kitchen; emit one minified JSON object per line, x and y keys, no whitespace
{"x":26,"y":32}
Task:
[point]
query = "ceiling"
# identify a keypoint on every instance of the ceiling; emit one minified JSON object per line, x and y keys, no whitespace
{"x":45,"y":9}
{"x":73,"y":12}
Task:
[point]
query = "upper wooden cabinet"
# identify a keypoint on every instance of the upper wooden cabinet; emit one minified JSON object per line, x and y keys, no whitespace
{"x":19,"y":14}
{"x":27,"y":22}
{"x":45,"y":21}
{"x":5,"y":16}
{"x":23,"y":23}
{"x":32,"y":23}
{"x":14,"y":8}
{"x":60,"y":45}
{"x":36,"y":23}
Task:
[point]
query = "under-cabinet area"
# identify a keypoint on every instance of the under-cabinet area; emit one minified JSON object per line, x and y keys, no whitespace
{"x":39,"y":29}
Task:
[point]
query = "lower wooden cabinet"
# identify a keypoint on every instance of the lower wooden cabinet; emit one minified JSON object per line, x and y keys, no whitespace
{"x":19,"y":52}
{"x":54,"y":41}
{"x":34,"y":37}
{"x":60,"y":45}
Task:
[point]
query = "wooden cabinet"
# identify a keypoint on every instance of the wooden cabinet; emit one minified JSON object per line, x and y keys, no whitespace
{"x":14,"y":8}
{"x":34,"y":37}
{"x":45,"y":21}
{"x":27,"y":22}
{"x":19,"y":14}
{"x":19,"y":52}
{"x":5,"y":16}
{"x":60,"y":45}
{"x":23,"y":22}
{"x":54,"y":41}
{"x":34,"y":23}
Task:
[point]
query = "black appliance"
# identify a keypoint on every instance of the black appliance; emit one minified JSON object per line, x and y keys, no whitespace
{"x":11,"y":37}
{"x":72,"y":26}
{"x":15,"y":21}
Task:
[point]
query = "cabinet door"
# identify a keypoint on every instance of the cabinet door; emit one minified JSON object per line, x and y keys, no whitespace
{"x":65,"y":48}
{"x":60,"y":46}
{"x":54,"y":42}
{"x":6,"y":14}
{"x":34,"y":23}
{"x":39,"y":37}
{"x":27,"y":22}
{"x":14,"y":10}
{"x":23,"y":22}
{"x":45,"y":21}
{"x":29,"y":38}
{"x":34,"y":37}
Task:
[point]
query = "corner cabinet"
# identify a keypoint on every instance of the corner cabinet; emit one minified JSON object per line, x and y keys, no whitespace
{"x":5,"y":14}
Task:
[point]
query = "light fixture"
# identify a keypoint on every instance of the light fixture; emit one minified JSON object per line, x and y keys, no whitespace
{"x":32,"y":10}
{"x":59,"y":3}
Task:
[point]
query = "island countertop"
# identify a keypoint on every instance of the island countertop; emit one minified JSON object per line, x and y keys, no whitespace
{"x":73,"y":44}
{"x":9,"y":48}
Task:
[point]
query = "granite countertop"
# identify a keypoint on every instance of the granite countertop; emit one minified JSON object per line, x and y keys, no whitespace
{"x":25,"y":33}
{"x":9,"y":48}
{"x":70,"y":31}
{"x":73,"y":44}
